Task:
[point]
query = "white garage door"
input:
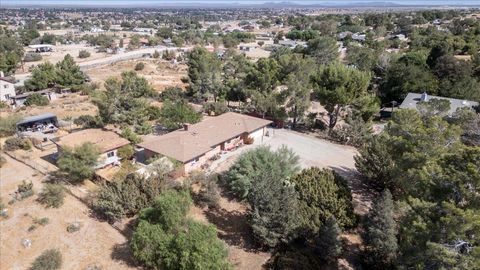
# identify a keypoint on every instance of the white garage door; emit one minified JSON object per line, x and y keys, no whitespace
{"x":257,"y":135}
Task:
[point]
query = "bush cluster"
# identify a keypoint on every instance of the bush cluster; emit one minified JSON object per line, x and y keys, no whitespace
{"x":83,"y":54}
{"x":50,"y":259}
{"x":32,"y":57}
{"x":52,"y":195}
{"x":12,"y":144}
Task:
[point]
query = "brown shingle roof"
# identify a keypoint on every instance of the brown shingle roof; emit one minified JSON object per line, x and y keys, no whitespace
{"x":185,"y":145}
{"x":103,"y":139}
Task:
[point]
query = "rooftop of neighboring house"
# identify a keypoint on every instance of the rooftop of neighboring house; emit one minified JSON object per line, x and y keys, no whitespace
{"x":197,"y":139}
{"x":105,"y":140}
{"x":410,"y":102}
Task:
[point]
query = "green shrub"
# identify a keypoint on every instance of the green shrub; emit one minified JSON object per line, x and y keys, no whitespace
{"x":126,"y":197}
{"x":139,"y":66}
{"x":73,"y":227}
{"x":24,"y":190}
{"x":322,"y":193}
{"x":209,"y":192}
{"x":126,"y":152}
{"x":37,"y":99}
{"x":83,"y":54}
{"x":215,"y":108}
{"x":12,"y":144}
{"x":41,"y":221}
{"x":8,"y":125}
{"x":166,"y":239}
{"x":88,"y":121}
{"x":50,"y":259}
{"x":52,"y":195}
{"x":130,"y":135}
{"x":78,"y":163}
{"x":32,"y":57}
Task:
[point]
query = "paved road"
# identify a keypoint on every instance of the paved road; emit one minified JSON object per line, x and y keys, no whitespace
{"x":137,"y":54}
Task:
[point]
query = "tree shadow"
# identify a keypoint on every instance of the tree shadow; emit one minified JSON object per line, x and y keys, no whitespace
{"x":232,"y":228}
{"x":362,"y":193}
{"x":123,"y":253}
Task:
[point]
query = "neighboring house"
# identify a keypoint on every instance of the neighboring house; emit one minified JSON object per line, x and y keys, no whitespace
{"x":7,"y":89}
{"x":19,"y":100}
{"x":410,"y":102}
{"x":195,"y":144}
{"x":108,"y":142}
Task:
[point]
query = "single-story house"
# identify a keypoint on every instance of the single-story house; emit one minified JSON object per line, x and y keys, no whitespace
{"x":7,"y":89}
{"x":195,"y":144}
{"x":108,"y":142}
{"x":44,"y":123}
{"x":19,"y":100}
{"x":410,"y":102}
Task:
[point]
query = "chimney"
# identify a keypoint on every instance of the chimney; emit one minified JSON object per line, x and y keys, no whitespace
{"x":186,"y":126}
{"x":424,"y":97}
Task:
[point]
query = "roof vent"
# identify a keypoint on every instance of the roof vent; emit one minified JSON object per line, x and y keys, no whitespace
{"x":424,"y":97}
{"x":465,"y":102}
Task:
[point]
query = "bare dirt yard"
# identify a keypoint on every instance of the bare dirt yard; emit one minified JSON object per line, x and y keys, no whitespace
{"x":60,"y":51}
{"x":66,"y":106}
{"x":96,"y":243}
{"x":161,"y":74}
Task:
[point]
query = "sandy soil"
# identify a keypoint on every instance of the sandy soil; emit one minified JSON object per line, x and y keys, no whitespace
{"x":161,"y":74}
{"x":230,"y":219}
{"x":95,"y":243}
{"x":68,"y":105}
{"x":59,"y":53}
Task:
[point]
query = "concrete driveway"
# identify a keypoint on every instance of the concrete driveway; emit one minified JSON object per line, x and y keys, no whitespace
{"x":313,"y":152}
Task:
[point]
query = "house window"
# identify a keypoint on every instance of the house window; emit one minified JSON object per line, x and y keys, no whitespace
{"x":110,"y":154}
{"x":5,"y":86}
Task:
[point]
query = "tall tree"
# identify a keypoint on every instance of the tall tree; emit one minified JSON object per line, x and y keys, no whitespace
{"x":274,"y":210}
{"x":78,"y":163}
{"x":328,"y":244}
{"x":380,"y":240}
{"x":338,"y":86}
{"x":204,"y":74}
{"x":68,"y":73}
{"x":323,"y":49}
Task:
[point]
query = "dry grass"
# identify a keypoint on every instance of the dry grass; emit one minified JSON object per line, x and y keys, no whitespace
{"x":95,"y":243}
{"x":161,"y":74}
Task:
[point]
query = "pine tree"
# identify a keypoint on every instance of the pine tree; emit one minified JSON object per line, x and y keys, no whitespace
{"x":329,"y":244}
{"x":380,"y":234}
{"x":274,"y":214}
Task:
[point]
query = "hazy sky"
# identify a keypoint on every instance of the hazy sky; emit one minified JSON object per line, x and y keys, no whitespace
{"x":134,"y":3}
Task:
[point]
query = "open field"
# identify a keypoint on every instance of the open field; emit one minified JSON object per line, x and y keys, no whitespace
{"x":59,"y":53}
{"x":96,"y":243}
{"x":66,"y":106}
{"x":161,"y":74}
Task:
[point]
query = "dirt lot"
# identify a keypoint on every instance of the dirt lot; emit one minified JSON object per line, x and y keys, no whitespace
{"x":95,"y":243}
{"x":161,"y":74}
{"x":59,"y":53}
{"x":67,"y":105}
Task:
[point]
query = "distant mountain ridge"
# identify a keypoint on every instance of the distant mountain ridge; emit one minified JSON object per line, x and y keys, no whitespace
{"x":226,"y":4}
